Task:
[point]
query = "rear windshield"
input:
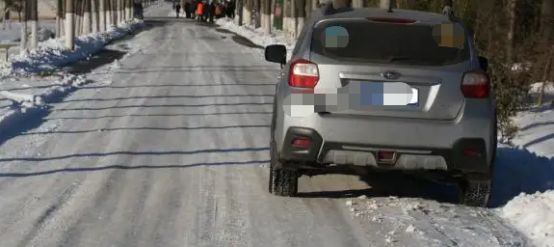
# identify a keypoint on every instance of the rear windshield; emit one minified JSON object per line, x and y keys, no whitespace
{"x":367,"y":41}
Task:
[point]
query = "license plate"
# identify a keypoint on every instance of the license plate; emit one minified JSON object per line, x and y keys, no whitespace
{"x":388,"y":94}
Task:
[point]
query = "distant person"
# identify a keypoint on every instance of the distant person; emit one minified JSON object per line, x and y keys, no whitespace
{"x":178,"y":9}
{"x":200,"y":11}
{"x":206,"y":10}
{"x":230,"y":9}
{"x":188,"y":9}
{"x":139,"y":11}
{"x":211,"y":11}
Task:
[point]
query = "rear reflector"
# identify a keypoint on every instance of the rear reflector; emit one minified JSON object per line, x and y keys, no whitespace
{"x":303,"y":73}
{"x":472,"y":152}
{"x":301,"y":142}
{"x":475,"y":84}
{"x":386,"y":157}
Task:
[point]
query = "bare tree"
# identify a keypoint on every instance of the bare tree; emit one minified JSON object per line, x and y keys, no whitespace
{"x":266,"y":16}
{"x":102,"y":15}
{"x":547,"y":25}
{"x":34,"y":23}
{"x":24,"y":43}
{"x":69,"y":25}
{"x":87,"y":20}
{"x":59,"y":17}
{"x":94,"y":15}
{"x":512,"y":15}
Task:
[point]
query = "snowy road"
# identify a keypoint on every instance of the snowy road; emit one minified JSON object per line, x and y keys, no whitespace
{"x":172,"y":150}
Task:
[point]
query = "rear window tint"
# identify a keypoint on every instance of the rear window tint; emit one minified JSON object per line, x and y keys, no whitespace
{"x":367,"y":41}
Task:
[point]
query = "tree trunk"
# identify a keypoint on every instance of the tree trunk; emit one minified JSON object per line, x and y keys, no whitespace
{"x":300,"y":15}
{"x":34,"y":24}
{"x":247,"y":12}
{"x":357,"y":3}
{"x":547,"y":25}
{"x":132,"y":9}
{"x":23,"y":43}
{"x":512,"y":15}
{"x":94,"y":15}
{"x":69,"y":25}
{"x":384,"y":4}
{"x":266,"y":16}
{"x":121,"y":12}
{"x":59,"y":18}
{"x":87,"y":20}
{"x":109,"y":14}
{"x":78,"y":17}
{"x":102,"y":15}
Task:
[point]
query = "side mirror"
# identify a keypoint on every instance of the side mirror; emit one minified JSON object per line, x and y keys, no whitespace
{"x":276,"y":54}
{"x":484,"y":63}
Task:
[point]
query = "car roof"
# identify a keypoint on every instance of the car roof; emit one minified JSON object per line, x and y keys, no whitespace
{"x":419,"y":16}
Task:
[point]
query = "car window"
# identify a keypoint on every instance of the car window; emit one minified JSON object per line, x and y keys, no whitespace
{"x":416,"y":44}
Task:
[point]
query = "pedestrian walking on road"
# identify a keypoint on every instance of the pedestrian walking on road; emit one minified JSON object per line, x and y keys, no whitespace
{"x":188,"y":9}
{"x":200,"y":11}
{"x":211,"y":11}
{"x":178,"y":9}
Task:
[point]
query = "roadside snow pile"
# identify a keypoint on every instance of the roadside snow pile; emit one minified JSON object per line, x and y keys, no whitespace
{"x":536,"y":126}
{"x":536,"y":131}
{"x":533,"y":215}
{"x":53,"y":54}
{"x":28,"y":104}
{"x":393,"y":221}
{"x":256,"y":35}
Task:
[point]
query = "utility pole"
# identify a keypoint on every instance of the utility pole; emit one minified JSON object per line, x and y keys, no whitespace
{"x":69,"y":25}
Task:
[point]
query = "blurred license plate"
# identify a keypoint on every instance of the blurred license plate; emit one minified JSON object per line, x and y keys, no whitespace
{"x":388,"y":94}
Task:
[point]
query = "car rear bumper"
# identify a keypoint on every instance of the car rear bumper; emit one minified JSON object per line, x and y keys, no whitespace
{"x":417,"y":144}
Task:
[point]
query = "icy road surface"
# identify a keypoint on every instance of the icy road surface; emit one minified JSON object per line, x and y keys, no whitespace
{"x":169,"y":147}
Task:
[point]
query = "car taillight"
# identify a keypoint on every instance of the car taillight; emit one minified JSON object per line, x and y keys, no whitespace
{"x":475,"y":84}
{"x":303,"y":73}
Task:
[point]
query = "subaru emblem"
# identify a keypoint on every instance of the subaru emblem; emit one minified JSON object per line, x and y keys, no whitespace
{"x":391,"y":75}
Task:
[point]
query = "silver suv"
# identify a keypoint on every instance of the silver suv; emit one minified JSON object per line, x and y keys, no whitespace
{"x":401,"y":90}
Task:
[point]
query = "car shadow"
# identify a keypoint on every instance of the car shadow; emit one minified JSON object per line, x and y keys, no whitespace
{"x":520,"y":171}
{"x":391,"y":183}
{"x":516,"y":171}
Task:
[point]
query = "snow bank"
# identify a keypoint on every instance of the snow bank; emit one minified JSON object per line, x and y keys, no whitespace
{"x":53,"y":54}
{"x":533,"y":215}
{"x":256,"y":35}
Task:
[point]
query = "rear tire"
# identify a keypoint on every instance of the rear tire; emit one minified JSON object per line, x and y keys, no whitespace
{"x":475,"y":192}
{"x":282,"y":181}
